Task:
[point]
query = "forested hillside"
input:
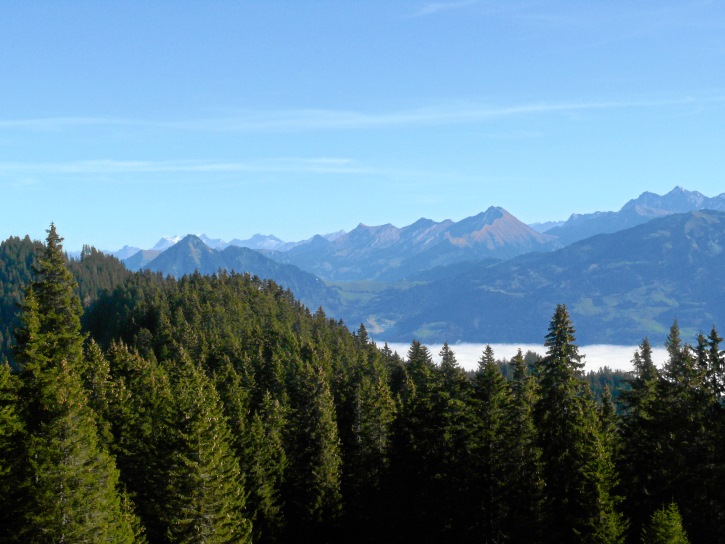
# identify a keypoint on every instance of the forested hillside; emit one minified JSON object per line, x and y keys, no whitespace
{"x":94,"y":271}
{"x":219,"y":409}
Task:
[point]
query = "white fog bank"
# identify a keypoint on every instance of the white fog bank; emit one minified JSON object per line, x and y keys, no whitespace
{"x":596,"y":355}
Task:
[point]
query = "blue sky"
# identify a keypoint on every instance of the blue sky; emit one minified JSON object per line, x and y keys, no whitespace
{"x":125,"y":121}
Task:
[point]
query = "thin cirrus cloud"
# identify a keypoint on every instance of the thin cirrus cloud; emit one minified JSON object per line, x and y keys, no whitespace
{"x":309,"y":120}
{"x":433,"y":8}
{"x":110,"y":167}
{"x":21,"y":175}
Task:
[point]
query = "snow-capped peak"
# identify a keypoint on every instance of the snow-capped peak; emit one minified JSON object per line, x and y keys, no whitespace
{"x":166,"y":242}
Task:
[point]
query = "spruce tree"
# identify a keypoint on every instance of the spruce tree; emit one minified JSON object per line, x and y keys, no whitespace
{"x":684,"y":464}
{"x":524,"y":484}
{"x":492,"y":404}
{"x":418,"y":449}
{"x":366,"y":454}
{"x":205,"y":495}
{"x":70,"y":481}
{"x":665,"y":527}
{"x":141,"y":407}
{"x":11,"y":437}
{"x":58,"y":309}
{"x":257,"y":440}
{"x":314,"y":502}
{"x":265,"y":476}
{"x":452,"y":400}
{"x":716,"y":365}
{"x":579,"y":500}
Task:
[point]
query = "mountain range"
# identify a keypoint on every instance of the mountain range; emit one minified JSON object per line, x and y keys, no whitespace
{"x":618,"y":287}
{"x":391,"y":254}
{"x":492,"y":278}
{"x":635,"y":212}
{"x":191,"y":254}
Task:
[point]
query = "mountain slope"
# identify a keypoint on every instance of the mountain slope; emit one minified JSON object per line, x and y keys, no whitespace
{"x":637,"y":211}
{"x":186,"y":256}
{"x":191,"y":254}
{"x":140,"y":259}
{"x":388,"y":253}
{"x":618,"y":287}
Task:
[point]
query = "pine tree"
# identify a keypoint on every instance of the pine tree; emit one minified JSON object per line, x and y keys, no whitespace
{"x":257,"y":440}
{"x":98,"y":384}
{"x":640,"y":439}
{"x":70,"y":481}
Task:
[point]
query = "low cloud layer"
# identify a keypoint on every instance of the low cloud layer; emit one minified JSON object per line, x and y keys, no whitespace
{"x":596,"y":356}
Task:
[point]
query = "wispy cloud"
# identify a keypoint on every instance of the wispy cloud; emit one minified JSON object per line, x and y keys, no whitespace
{"x":446,"y":114}
{"x":23,"y":175}
{"x":309,"y":120}
{"x":52,"y":124}
{"x":436,"y":7}
{"x":110,"y":167}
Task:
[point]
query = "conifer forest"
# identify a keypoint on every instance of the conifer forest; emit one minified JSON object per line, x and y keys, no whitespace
{"x":219,"y":409}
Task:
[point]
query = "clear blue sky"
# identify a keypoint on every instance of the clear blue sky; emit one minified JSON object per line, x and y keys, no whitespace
{"x":125,"y":121}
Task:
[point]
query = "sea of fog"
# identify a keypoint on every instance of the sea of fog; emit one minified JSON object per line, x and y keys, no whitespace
{"x":596,"y":355}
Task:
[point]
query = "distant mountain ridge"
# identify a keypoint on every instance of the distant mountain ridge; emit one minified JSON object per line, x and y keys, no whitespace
{"x":389,"y":253}
{"x":455,"y":275}
{"x":490,"y":277}
{"x":645,"y":207}
{"x":618,"y":287}
{"x":191,"y":254}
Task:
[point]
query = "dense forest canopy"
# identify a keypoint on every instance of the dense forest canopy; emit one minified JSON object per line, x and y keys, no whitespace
{"x":220,"y":409}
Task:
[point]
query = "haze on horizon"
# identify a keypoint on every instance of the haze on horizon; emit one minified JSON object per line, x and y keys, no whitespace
{"x":596,"y":356}
{"x":125,"y":122}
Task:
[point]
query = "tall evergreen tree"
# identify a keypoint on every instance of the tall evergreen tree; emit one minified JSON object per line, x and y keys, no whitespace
{"x":367,"y":451}
{"x":314,"y":502}
{"x":58,"y":309}
{"x":452,"y":408}
{"x":70,"y":481}
{"x":579,"y":501}
{"x":492,"y":404}
{"x":418,"y":449}
{"x":205,"y":493}
{"x":684,"y":463}
{"x":640,"y":460}
{"x":141,"y":414}
{"x":716,"y":365}
{"x":524,"y":484}
{"x":11,"y":437}
{"x":257,"y":440}
{"x":665,"y":527}
{"x":265,"y":476}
